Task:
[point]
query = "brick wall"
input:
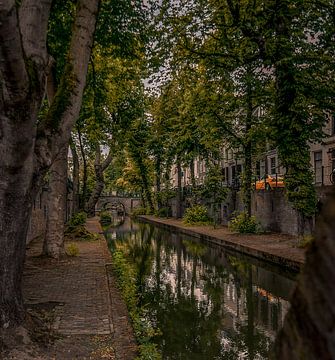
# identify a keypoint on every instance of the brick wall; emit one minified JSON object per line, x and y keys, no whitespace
{"x":271,"y":209}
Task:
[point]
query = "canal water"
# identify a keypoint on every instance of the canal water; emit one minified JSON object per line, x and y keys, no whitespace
{"x":207,"y":302}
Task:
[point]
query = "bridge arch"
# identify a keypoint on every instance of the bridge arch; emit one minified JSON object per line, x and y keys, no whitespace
{"x":127,"y":203}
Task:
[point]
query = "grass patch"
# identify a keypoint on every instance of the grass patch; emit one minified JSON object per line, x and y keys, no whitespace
{"x":144,"y":332}
{"x":72,"y":250}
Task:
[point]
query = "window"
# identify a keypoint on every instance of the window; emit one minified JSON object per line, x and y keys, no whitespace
{"x":332,"y":124}
{"x":233,"y":172}
{"x":272,"y":165}
{"x":318,"y":167}
{"x":223,"y":172}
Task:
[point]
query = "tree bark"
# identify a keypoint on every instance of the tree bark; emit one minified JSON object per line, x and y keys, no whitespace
{"x":53,"y":245}
{"x":99,"y":169}
{"x":308,"y":331}
{"x":25,"y":152}
{"x":20,"y":98}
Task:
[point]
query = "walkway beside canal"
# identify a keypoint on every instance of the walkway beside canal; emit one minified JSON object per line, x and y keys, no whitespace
{"x":280,"y":249}
{"x":79,"y":298}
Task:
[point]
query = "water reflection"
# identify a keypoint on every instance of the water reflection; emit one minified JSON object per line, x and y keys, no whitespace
{"x":208,"y":304}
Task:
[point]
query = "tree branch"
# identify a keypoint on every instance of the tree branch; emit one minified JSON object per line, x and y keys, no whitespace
{"x":55,"y":131}
{"x":108,"y":160}
{"x":34,"y":16}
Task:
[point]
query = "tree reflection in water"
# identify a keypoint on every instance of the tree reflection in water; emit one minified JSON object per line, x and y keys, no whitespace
{"x":208,"y":304}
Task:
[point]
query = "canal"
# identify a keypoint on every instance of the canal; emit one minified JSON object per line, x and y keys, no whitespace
{"x":208,"y":303}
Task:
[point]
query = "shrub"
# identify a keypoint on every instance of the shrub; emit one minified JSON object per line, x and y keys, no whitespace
{"x":78,"y":219}
{"x":72,"y":250}
{"x":163,"y":212}
{"x":196,"y":215}
{"x":139,"y":211}
{"x":79,"y":233}
{"x":105,"y":217}
{"x":244,"y":224}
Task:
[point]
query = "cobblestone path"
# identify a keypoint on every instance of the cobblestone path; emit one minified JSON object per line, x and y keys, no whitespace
{"x":85,"y":299}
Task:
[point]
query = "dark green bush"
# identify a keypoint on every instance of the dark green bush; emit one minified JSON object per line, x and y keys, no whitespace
{"x":196,"y":215}
{"x":139,"y":211}
{"x":244,"y":224}
{"x":78,"y":219}
{"x":163,"y":212}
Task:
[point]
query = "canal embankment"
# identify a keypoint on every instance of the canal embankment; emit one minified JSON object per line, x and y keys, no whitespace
{"x":279,"y":249}
{"x":78,"y":309}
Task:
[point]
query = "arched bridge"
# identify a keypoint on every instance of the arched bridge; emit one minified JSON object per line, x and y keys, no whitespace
{"x":111,"y":201}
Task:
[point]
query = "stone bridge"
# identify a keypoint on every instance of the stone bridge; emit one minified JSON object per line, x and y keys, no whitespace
{"x":110,"y":201}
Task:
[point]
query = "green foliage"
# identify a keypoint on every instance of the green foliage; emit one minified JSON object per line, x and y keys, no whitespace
{"x":78,"y":219}
{"x":105,"y":217}
{"x":72,"y":250}
{"x":163,"y":212}
{"x":79,"y":233}
{"x":213,"y":186}
{"x":139,"y":211}
{"x":144,"y":332}
{"x":75,"y":228}
{"x":148,"y":352}
{"x":164,"y":196}
{"x":196,"y":215}
{"x":245,"y":224}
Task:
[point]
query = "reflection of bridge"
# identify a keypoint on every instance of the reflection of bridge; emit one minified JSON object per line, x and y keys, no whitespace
{"x":111,"y":201}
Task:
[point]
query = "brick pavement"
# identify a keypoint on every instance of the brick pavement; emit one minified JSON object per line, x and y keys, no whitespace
{"x":84,"y":295}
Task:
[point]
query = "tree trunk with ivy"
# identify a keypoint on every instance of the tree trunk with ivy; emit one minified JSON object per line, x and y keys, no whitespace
{"x":28,"y":148}
{"x":290,"y":121}
{"x":307,"y":332}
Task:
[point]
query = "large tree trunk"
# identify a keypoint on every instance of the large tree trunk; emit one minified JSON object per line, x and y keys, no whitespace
{"x":99,"y":169}
{"x":23,"y":68}
{"x":20,"y":99}
{"x":308,"y":331}
{"x":15,"y":210}
{"x":53,"y":245}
